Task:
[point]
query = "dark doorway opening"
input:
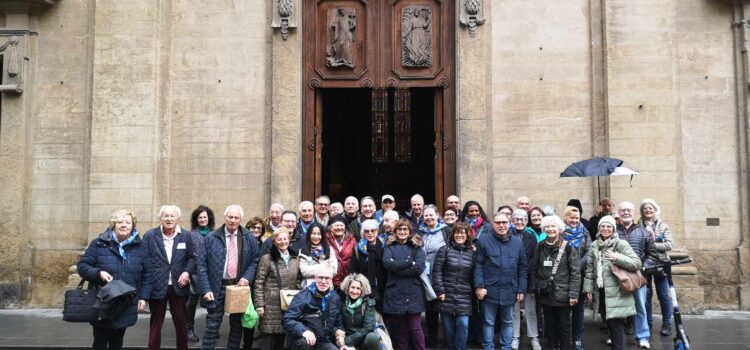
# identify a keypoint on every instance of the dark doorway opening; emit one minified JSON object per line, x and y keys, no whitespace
{"x":348,"y":168}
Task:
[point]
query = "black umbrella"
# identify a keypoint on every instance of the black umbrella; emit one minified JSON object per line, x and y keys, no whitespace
{"x":598,"y":166}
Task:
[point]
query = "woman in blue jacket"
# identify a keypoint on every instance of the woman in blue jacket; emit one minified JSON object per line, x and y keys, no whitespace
{"x":117,"y":254}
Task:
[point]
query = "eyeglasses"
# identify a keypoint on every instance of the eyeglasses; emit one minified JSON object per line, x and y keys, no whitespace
{"x":254,"y":228}
{"x":402,"y":229}
{"x":367,"y":231}
{"x":519,"y":220}
{"x":323,"y":204}
{"x":460,"y":233}
{"x":501,"y":222}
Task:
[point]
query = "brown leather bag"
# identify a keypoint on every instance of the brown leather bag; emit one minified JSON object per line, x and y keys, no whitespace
{"x":629,"y":281}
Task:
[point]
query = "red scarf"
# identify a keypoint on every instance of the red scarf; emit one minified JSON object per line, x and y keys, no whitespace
{"x":476,"y":225}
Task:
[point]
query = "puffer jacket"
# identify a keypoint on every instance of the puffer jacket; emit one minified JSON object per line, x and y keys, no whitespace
{"x":662,"y":237}
{"x":638,"y":238}
{"x":501,"y":267}
{"x":567,"y":278}
{"x":358,"y":322}
{"x":183,"y":260}
{"x":266,"y":287}
{"x":371,"y":266}
{"x":343,"y":253}
{"x":454,"y":267}
{"x":305,"y":303}
{"x":433,"y":239}
{"x":404,"y":293}
{"x":103,"y":254}
{"x":211,"y":262}
{"x":617,"y":304}
{"x":308,"y":265}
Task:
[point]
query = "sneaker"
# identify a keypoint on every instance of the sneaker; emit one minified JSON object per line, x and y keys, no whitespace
{"x":666,"y":330}
{"x":191,"y":336}
{"x":609,"y":341}
{"x":578,"y":345}
{"x":535,"y":344}
{"x":644,"y":344}
{"x":514,"y":344}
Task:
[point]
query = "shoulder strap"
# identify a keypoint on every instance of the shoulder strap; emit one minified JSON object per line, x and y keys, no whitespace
{"x":278,"y":275}
{"x":559,"y":255}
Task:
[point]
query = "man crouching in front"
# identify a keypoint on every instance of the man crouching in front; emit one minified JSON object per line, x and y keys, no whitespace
{"x":313,"y":319}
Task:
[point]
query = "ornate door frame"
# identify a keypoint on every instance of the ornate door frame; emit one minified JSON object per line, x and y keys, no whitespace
{"x":373,"y":44}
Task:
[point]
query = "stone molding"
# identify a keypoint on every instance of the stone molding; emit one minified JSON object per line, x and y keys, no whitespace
{"x":34,"y":7}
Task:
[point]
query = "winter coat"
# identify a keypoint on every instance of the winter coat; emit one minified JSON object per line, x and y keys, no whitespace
{"x":415,"y":222}
{"x":306,"y":304}
{"x":103,"y":254}
{"x":567,"y":278}
{"x":359,"y":323}
{"x":452,"y":276}
{"x":199,"y":247}
{"x":404,"y":262}
{"x":433,"y":240}
{"x":183,"y":260}
{"x":662,"y":237}
{"x":356,"y":226}
{"x":371,"y":266}
{"x":583,"y":249}
{"x":308,"y":265}
{"x":641,"y":242}
{"x":343,"y":253}
{"x":296,"y":241}
{"x":211,"y":262}
{"x":617,"y":304}
{"x":501,"y":268}
{"x":528,"y":237}
{"x":266,"y":288}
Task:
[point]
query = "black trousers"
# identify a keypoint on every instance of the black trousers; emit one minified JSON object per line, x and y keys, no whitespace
{"x":557,"y":321}
{"x":301,"y":344}
{"x":432,"y":318}
{"x":108,"y":339}
{"x":616,"y":326}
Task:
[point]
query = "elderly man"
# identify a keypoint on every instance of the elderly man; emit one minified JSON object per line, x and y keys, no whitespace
{"x":307,"y":218}
{"x":387,"y":202}
{"x":500,"y":277}
{"x":230,"y":258}
{"x":453,"y":203}
{"x":313,"y":320}
{"x":351,"y":209}
{"x":524,"y":203}
{"x":607,"y":208}
{"x":366,"y":212}
{"x":417,"y":207}
{"x":643,"y":245}
{"x":322,"y":206}
{"x":519,"y":228}
{"x":273,"y":221}
{"x":390,"y":218}
{"x":297,"y":237}
{"x":173,"y":261}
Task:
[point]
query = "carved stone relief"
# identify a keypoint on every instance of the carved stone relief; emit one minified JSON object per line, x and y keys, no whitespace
{"x":416,"y":36}
{"x":9,"y":49}
{"x":341,"y":26}
{"x":284,"y":17}
{"x":472,"y":15}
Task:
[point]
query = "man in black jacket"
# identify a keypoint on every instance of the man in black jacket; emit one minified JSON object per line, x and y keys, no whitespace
{"x":313,"y":320}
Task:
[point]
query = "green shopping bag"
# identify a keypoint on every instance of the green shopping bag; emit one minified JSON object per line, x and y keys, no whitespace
{"x":250,"y":317}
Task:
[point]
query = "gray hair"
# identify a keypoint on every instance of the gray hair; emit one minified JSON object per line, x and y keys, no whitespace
{"x":304,"y":203}
{"x":520,"y":213}
{"x":366,"y":198}
{"x":277,"y":206}
{"x":622,"y":205}
{"x":431,"y":206}
{"x":174,"y":208}
{"x":391,"y":214}
{"x":322,"y":270}
{"x":553,"y":220}
{"x":369,"y":225}
{"x":235,"y":207}
{"x":358,"y":277}
{"x":417,"y":197}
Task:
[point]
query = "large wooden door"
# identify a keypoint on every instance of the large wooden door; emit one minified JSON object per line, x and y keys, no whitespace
{"x":379,"y":44}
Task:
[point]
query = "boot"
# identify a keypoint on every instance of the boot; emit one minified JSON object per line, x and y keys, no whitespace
{"x":192,"y":337}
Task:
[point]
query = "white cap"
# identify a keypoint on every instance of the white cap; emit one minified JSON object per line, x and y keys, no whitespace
{"x":387,"y":196}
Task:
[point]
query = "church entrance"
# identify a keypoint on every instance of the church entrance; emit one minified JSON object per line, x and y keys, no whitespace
{"x":379,"y":141}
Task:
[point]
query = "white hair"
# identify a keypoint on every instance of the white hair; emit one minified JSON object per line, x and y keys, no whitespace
{"x":235,"y":207}
{"x":171,"y":207}
{"x":522,"y":198}
{"x":392,"y":214}
{"x":520,"y":213}
{"x":417,"y":197}
{"x":369,"y":225}
{"x":321,"y":270}
{"x":304,"y":203}
{"x":622,"y":205}
{"x":277,"y":206}
{"x":553,"y":220}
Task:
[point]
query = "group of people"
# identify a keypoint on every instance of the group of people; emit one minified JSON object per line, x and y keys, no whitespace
{"x":366,"y":276}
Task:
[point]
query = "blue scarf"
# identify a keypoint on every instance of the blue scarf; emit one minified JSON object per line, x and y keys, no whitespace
{"x":313,"y":289}
{"x":316,"y":252}
{"x":121,"y":245}
{"x":362,"y":246}
{"x":574,"y":235}
{"x":305,"y":227}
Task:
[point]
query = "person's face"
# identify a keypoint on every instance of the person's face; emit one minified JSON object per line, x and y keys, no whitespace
{"x":232,"y":220}
{"x":552,"y":232}
{"x":573,"y":219}
{"x":388,"y":205}
{"x":289,"y":221}
{"x":430,"y":218}
{"x":505,"y":211}
{"x":536,"y":218}
{"x":606,"y":230}
{"x":500,"y":223}
{"x":321,"y":206}
{"x":402,"y":233}
{"x":336,"y":210}
{"x":608,"y":207}
{"x":388,"y":223}
{"x":306,"y":212}
{"x":338,"y":229}
{"x":203,"y":219}
{"x":351,"y":206}
{"x":649,"y":212}
{"x":124,"y":227}
{"x":626,"y":214}
{"x":450,"y":217}
{"x":519,"y":223}
{"x":323,"y":282}
{"x":256,"y":229}
{"x":416,"y":207}
{"x":316,"y":236}
{"x":281,"y":242}
{"x":524,"y":204}
{"x":275,"y":215}
{"x":473,"y":212}
{"x":169,"y":219}
{"x":460,"y":236}
{"x":453,"y":203}
{"x":368,"y":208}
{"x":355,"y":290}
{"x":371,"y":235}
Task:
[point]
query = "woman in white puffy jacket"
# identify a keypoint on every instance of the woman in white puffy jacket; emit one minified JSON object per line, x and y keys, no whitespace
{"x":313,"y":254}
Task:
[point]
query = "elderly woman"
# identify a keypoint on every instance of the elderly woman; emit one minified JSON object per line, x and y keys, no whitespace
{"x":279,"y":269}
{"x":662,"y":236}
{"x":117,"y":254}
{"x":578,"y":238}
{"x":202,"y":222}
{"x":336,"y":209}
{"x":555,"y":277}
{"x":518,"y":228}
{"x":434,"y":234}
{"x":342,"y":243}
{"x":315,"y":254}
{"x":258,"y":229}
{"x":404,"y":300}
{"x":452,"y":279}
{"x":601,"y":286}
{"x":358,"y":313}
{"x":474,"y":215}
{"x":368,"y":261}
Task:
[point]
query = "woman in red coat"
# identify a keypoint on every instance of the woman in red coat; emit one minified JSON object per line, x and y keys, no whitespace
{"x":342,"y":243}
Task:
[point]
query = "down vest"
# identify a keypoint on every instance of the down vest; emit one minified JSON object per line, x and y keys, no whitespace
{"x":103,"y":255}
{"x":404,"y":293}
{"x":567,"y":278}
{"x":617,"y":304}
{"x":454,"y":267}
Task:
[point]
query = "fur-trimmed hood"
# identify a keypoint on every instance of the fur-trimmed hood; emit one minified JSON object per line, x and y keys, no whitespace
{"x":415,"y":240}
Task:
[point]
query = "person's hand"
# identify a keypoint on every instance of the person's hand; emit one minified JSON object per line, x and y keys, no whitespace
{"x":208,"y":296}
{"x":519,"y":297}
{"x":589,"y":298}
{"x":340,"y":334}
{"x":610,"y":255}
{"x":310,"y":337}
{"x":441,"y":297}
{"x":573,"y":301}
{"x":105,"y":276}
{"x":243,"y":282}
{"x":184,"y":279}
{"x":260,"y":311}
{"x":481,"y":293}
{"x":141,"y":305}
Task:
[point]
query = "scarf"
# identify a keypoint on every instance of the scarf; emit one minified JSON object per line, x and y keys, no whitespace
{"x":121,"y":245}
{"x":526,"y":230}
{"x":383,"y":237}
{"x":362,"y":247}
{"x":574,"y":235}
{"x":316,"y":251}
{"x":428,"y":231}
{"x":313,"y":289}
{"x":306,"y":226}
{"x":609,"y":242}
{"x":204,"y":230}
{"x":475,"y":225}
{"x":352,"y":307}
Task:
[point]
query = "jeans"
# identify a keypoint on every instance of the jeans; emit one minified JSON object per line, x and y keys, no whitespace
{"x":577,"y":319}
{"x":532,"y":329}
{"x":455,"y":330}
{"x":558,"y":326}
{"x":661,"y":281}
{"x":490,"y":312}
{"x":641,"y":323}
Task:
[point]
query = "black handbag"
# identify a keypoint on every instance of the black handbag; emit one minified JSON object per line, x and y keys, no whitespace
{"x":79,"y":304}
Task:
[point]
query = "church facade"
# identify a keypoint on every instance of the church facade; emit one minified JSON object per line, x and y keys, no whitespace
{"x":133,"y":104}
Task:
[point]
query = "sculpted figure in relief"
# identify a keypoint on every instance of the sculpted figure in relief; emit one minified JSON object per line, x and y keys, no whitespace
{"x":341,"y":36}
{"x":416,"y":36}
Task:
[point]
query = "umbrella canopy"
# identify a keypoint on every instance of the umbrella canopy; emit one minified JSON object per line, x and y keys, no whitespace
{"x":598,"y":166}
